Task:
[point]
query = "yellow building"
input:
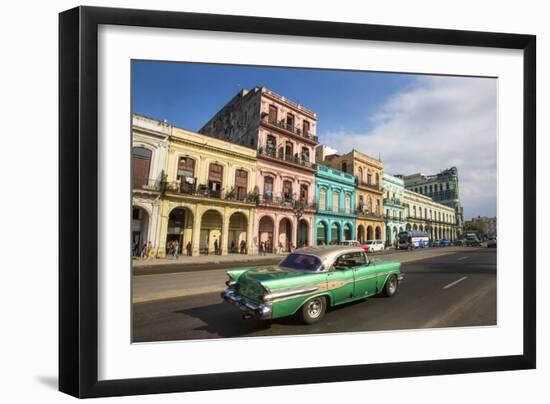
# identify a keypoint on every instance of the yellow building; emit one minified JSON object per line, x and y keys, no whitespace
{"x":368,"y":192}
{"x":210,"y":196}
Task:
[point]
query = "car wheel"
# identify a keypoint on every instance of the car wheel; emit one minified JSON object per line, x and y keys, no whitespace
{"x":313,"y":310}
{"x":390,"y":288}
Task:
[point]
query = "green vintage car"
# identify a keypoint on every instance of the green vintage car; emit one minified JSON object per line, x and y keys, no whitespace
{"x":308,"y":280}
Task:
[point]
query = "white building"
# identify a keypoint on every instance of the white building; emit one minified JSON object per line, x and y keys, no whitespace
{"x":149,"y":158}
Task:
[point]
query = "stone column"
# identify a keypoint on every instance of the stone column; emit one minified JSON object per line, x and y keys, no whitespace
{"x":195,"y":238}
{"x":275,"y":232}
{"x":294,"y":232}
{"x":250,"y":248}
{"x":164,"y":215}
{"x":225,"y":231}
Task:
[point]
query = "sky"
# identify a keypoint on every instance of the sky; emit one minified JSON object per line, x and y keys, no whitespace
{"x":415,"y":123}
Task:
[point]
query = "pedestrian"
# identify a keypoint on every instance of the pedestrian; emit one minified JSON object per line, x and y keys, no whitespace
{"x":143,"y":251}
{"x":188,"y":247}
{"x":216,"y":247}
{"x":262,"y":248}
{"x":243,"y":247}
{"x":175,"y":247}
{"x":233,"y":248}
{"x":149,"y":250}
{"x":170,"y":248}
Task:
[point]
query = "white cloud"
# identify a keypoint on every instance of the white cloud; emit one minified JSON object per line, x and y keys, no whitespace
{"x":437,"y":123}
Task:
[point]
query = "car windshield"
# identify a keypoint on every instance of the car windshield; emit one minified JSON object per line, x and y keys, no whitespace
{"x":302,"y":262}
{"x":370,"y":242}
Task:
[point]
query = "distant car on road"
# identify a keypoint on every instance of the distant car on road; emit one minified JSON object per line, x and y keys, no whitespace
{"x":309,"y":280}
{"x":442,"y":243}
{"x":492,"y":243}
{"x":374,"y":246}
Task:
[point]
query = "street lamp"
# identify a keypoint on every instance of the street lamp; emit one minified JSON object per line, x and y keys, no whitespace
{"x":298,"y":209}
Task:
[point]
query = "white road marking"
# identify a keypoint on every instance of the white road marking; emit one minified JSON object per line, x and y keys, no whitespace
{"x":463,"y":258}
{"x":455,"y":282}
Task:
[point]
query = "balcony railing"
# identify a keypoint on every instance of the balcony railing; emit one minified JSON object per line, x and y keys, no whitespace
{"x":288,"y":202}
{"x":393,"y":202}
{"x":290,"y":128}
{"x":330,"y":210}
{"x":368,"y":214}
{"x":371,"y":185}
{"x":270,"y":151}
{"x":147,"y":184}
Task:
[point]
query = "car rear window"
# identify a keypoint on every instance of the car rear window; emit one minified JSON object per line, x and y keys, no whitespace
{"x":302,"y":262}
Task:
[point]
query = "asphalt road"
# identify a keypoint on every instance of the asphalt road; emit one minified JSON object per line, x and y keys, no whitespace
{"x":452,"y":290}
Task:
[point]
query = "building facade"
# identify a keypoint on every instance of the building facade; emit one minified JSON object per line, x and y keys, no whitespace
{"x":442,"y":188}
{"x":150,"y":139}
{"x":282,"y":133}
{"x":368,"y":193}
{"x":422,"y":213}
{"x":394,"y":207}
{"x":335,"y":217}
{"x":209,"y":199}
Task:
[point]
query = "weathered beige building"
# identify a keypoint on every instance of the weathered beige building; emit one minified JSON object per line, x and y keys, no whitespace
{"x":369,"y":191}
{"x":422,"y":213}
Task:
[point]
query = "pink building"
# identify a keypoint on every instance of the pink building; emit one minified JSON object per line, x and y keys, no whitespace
{"x":283,"y":132}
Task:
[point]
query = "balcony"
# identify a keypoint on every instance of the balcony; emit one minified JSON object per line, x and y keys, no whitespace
{"x":147,"y":184}
{"x":269,"y":151}
{"x":369,"y":215}
{"x":329,"y":210}
{"x":284,"y":202}
{"x":393,"y":202}
{"x":376,"y":187}
{"x":291,"y":129}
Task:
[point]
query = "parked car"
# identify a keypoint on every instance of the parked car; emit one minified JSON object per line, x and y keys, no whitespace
{"x":309,"y":280}
{"x":472,"y":242}
{"x":374,"y":246}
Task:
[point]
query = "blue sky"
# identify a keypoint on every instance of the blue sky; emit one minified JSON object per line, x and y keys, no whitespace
{"x":417,"y":123}
{"x":187,"y":94}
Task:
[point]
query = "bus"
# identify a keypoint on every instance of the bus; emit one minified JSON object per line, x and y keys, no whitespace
{"x":413,"y":239}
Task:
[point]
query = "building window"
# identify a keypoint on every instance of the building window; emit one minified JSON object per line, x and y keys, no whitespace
{"x":289,"y":151}
{"x":272,"y":114}
{"x":414,"y":211}
{"x":241,"y":184}
{"x":305,"y":127}
{"x":377,"y":179}
{"x":335,"y":201}
{"x":287,"y":190}
{"x":369,"y":178}
{"x":271,"y":145}
{"x":360,"y":174}
{"x":305,"y":155}
{"x":378,"y":206}
{"x":215,"y":179}
{"x":141,"y":163}
{"x":348,"y":203}
{"x":322,"y":199}
{"x":345,"y":167}
{"x":268,"y":188}
{"x":304,"y":192}
{"x":290,"y":122}
{"x":186,"y":174}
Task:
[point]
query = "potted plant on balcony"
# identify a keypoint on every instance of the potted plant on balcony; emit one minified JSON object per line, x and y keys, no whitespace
{"x":253,"y":196}
{"x":230,"y":194}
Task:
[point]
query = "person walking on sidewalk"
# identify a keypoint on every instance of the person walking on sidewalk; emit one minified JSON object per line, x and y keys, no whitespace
{"x":176,"y":248}
{"x":216,"y":247}
{"x":188,"y":247}
{"x":143,"y":251}
{"x":262,"y":248}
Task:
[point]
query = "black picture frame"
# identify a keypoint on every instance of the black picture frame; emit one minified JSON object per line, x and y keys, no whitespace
{"x":78,"y":200}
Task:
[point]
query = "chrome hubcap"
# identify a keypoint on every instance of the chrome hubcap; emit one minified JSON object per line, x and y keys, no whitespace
{"x":314,"y":308}
{"x":392,"y":285}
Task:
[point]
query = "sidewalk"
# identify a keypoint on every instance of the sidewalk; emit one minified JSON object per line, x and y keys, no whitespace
{"x":205,"y":259}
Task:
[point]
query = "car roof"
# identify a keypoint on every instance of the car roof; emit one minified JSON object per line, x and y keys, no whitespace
{"x":328,"y":253}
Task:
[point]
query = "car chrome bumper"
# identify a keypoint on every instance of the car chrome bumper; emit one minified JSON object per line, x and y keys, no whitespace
{"x":262,"y":311}
{"x":400,"y":277}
